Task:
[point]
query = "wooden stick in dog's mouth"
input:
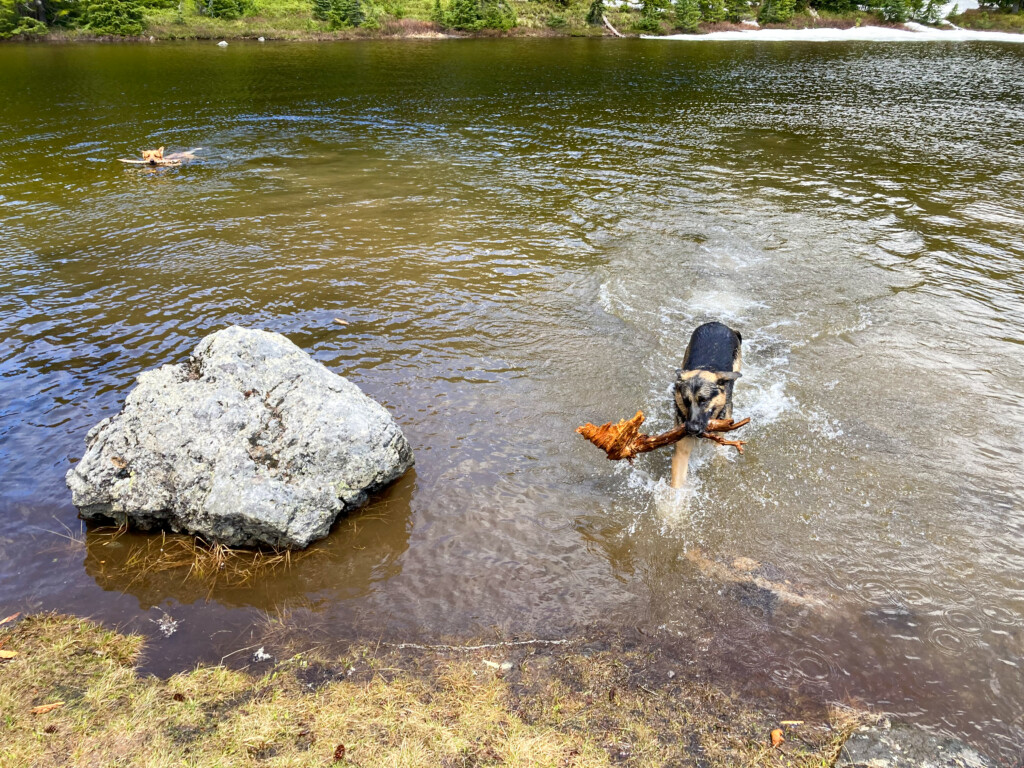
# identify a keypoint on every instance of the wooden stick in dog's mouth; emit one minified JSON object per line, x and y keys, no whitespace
{"x":624,"y":441}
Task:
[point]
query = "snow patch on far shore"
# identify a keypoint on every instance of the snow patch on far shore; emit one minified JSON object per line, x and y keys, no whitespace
{"x":871,"y":34}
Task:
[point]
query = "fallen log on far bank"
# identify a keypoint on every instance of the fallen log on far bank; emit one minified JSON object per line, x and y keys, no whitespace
{"x":608,"y":24}
{"x":624,"y":441}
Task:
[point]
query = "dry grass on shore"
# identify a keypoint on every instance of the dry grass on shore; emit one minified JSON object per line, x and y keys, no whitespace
{"x":411,"y":706}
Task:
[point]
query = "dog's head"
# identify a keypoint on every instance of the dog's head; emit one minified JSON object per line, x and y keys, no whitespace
{"x":701,"y":396}
{"x":152,"y":156}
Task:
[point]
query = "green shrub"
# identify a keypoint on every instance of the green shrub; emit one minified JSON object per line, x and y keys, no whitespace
{"x":777,"y":11}
{"x":322,"y":9}
{"x":114,"y":17}
{"x":13,"y":23}
{"x":557,"y":21}
{"x":712,"y":10}
{"x":647,"y":23}
{"x":28,"y":27}
{"x":373,"y":16}
{"x":9,"y":19}
{"x":687,"y":15}
{"x":596,"y":13}
{"x":464,"y":14}
{"x":498,"y":14}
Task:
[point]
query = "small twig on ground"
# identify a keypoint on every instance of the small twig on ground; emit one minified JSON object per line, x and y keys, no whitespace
{"x":507,"y":644}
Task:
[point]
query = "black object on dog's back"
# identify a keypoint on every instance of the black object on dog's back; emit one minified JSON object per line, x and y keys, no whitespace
{"x":712,"y":347}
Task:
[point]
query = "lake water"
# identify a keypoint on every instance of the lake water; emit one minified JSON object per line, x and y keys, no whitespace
{"x":522,"y":234}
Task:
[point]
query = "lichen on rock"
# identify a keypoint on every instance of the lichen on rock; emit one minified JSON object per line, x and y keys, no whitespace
{"x":250,"y":442}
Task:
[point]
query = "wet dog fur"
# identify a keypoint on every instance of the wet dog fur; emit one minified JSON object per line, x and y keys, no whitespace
{"x":156,"y":156}
{"x":152,"y":156}
{"x":703,"y":387}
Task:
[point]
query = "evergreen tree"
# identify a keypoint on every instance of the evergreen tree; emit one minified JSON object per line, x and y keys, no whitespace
{"x":687,"y":15}
{"x":835,"y":6}
{"x":464,"y":14}
{"x":777,"y":11}
{"x":596,"y":13}
{"x":712,"y":10}
{"x":736,"y":10}
{"x":322,"y":9}
{"x":925,"y":11}
{"x":894,"y":10}
{"x":225,"y":9}
{"x":114,"y":17}
{"x":650,"y":16}
{"x":437,"y":15}
{"x":346,"y":13}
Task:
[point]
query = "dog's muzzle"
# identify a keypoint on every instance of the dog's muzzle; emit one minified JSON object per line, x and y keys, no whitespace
{"x":695,"y":428}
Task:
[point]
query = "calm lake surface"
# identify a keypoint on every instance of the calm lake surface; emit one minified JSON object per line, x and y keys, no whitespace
{"x":522,"y":235}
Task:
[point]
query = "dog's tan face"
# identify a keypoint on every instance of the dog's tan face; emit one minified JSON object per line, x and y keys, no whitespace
{"x":701,"y":396}
{"x":152,"y":155}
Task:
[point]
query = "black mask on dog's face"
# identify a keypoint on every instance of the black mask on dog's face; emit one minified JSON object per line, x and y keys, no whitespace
{"x":701,"y":396}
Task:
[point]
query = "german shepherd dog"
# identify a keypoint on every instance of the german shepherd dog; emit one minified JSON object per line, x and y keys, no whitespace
{"x":703,"y":387}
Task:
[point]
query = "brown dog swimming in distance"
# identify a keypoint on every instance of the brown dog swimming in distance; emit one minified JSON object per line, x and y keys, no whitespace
{"x":157,"y":156}
{"x":703,"y":387}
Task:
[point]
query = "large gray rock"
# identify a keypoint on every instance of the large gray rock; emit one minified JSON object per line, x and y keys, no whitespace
{"x":250,"y":442}
{"x":905,"y":746}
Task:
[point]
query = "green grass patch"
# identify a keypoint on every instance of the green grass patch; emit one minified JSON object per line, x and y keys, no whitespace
{"x":992,"y":21}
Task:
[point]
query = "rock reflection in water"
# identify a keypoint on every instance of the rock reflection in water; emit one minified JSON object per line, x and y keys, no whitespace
{"x":362,"y":550}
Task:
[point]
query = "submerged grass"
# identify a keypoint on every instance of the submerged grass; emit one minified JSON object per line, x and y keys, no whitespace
{"x":376,"y":706}
{"x":210,"y":564}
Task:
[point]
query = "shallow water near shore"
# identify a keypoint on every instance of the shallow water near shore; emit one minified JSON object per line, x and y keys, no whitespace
{"x":522,"y":234}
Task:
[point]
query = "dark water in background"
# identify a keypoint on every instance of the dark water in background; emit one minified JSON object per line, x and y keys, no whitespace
{"x":523,"y":234}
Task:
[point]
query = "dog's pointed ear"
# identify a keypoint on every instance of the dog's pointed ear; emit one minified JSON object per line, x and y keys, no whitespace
{"x":161,"y":149}
{"x":727,"y":376}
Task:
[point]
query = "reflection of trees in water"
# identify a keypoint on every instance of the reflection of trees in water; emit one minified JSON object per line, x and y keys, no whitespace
{"x":363,"y":549}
